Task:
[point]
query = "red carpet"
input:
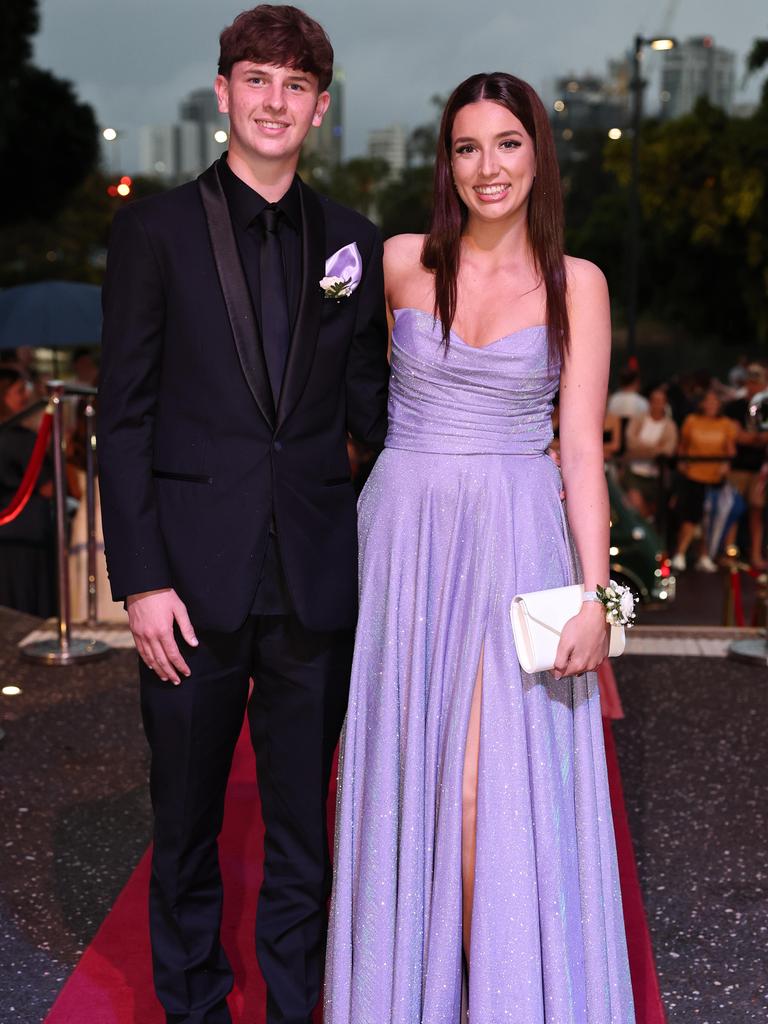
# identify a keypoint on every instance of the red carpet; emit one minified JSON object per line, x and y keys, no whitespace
{"x":649,"y":1008}
{"x":112,"y":984}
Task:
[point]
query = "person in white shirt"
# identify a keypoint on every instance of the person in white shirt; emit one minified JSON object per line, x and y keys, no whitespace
{"x":626,"y":402}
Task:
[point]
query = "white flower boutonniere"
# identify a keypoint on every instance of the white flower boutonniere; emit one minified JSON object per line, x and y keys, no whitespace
{"x":336,"y":287}
{"x":619,"y":603}
{"x":343,"y":271}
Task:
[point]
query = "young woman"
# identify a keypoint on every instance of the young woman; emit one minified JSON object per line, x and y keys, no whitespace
{"x":475,"y":859}
{"x":711,"y":437}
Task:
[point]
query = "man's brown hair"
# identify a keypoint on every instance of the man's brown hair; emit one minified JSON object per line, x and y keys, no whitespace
{"x":281,"y":35}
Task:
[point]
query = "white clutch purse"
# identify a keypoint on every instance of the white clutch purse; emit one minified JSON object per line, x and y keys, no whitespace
{"x":537,"y":622}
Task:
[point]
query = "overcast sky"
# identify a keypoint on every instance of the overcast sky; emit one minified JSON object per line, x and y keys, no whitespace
{"x":133,"y":60}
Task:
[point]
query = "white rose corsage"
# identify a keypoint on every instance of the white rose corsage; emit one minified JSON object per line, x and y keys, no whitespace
{"x":343,"y":272}
{"x":619,"y":603}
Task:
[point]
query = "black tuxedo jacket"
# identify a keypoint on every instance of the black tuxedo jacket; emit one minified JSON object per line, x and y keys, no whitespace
{"x":194,"y":459}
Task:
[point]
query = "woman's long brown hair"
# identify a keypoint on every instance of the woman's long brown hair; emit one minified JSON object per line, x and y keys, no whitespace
{"x":442,"y":246}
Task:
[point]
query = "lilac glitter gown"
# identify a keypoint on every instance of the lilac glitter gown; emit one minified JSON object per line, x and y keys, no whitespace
{"x":461,"y":512}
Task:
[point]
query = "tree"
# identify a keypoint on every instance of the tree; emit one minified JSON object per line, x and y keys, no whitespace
{"x":48,"y":140}
{"x":704,"y":200}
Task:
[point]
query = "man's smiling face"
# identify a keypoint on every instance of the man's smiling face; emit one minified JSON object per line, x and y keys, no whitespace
{"x":271,"y":109}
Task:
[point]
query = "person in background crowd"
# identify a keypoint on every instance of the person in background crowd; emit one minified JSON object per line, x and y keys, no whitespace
{"x":685,"y":392}
{"x":704,"y":434}
{"x":85,"y":368}
{"x":627,"y":401}
{"x":738,"y":372}
{"x":26,"y":543}
{"x":746,"y":474}
{"x":648,"y":437}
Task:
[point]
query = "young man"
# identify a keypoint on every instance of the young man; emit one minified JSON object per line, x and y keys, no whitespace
{"x":230,"y":378}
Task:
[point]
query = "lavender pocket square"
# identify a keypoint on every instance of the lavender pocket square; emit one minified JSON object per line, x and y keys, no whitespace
{"x":343,"y":271}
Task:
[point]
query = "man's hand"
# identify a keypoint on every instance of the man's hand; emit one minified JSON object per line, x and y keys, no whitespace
{"x":151,"y":616}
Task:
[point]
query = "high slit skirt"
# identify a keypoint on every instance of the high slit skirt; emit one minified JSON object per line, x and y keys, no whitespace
{"x":446,"y":541}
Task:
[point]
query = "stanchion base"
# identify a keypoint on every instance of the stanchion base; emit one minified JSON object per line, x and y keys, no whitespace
{"x":49,"y":652}
{"x":753,"y":651}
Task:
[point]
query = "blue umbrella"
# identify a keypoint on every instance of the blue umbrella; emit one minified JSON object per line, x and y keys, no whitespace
{"x":50,"y":314}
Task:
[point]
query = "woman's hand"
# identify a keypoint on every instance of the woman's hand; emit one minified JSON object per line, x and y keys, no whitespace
{"x":584,"y":642}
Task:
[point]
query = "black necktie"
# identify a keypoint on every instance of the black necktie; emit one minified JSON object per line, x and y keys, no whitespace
{"x":275,"y":324}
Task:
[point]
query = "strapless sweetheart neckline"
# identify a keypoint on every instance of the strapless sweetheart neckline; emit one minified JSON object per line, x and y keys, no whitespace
{"x":458,"y":337}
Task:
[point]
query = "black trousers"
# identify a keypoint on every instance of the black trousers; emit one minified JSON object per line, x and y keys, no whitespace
{"x":301,"y":684}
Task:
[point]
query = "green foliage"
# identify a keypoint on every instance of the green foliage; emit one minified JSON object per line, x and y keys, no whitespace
{"x":48,"y":140}
{"x":19,"y":20}
{"x":70,"y":246}
{"x":703,"y":186}
{"x":405,"y":205}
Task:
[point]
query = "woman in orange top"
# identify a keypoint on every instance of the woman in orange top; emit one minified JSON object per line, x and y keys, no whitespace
{"x":706,"y":433}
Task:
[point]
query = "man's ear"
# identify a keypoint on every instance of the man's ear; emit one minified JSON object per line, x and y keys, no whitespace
{"x":221,"y":86}
{"x":321,"y":107}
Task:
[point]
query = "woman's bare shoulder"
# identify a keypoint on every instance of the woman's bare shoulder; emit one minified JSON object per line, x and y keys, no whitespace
{"x":402,"y":252}
{"x":584,"y":278}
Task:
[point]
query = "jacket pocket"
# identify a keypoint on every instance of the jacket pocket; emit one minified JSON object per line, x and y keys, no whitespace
{"x":187,"y":478}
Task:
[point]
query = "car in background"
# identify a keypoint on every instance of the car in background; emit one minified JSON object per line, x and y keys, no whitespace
{"x":638,"y":559}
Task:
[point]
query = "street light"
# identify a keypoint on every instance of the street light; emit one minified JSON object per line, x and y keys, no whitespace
{"x":633,"y":221}
{"x":112,"y":136}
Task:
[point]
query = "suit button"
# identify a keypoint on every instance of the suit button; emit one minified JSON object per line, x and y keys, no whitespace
{"x":278,"y":446}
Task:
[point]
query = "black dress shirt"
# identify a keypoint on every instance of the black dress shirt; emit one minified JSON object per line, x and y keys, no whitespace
{"x":245,"y":205}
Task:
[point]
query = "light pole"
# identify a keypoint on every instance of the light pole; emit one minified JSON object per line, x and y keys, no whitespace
{"x":636,"y":85}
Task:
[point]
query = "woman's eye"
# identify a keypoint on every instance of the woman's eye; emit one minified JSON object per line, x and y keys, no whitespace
{"x":466,"y":148}
{"x":510,"y":144}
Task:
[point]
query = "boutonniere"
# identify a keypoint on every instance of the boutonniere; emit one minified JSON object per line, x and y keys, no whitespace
{"x":343,"y":271}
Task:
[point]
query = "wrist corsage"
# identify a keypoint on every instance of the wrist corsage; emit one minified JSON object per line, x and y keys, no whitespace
{"x":619,"y":603}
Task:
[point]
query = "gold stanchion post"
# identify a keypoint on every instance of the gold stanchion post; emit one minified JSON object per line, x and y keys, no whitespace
{"x":64,"y":649}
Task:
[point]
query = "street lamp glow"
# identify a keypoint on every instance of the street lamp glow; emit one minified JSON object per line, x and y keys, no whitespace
{"x":614,"y":133}
{"x":123,"y":189}
{"x":220,"y":135}
{"x":109,"y":134}
{"x":663,"y":43}
{"x":559,"y":106}
{"x":11,"y":691}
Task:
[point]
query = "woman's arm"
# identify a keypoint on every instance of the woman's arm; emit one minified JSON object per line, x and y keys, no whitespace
{"x":583,"y":391}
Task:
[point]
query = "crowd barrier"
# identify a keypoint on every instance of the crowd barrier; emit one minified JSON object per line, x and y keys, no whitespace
{"x":64,"y":648}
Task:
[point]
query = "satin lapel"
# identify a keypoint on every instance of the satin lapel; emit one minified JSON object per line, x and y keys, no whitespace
{"x":245,"y":327}
{"x":305,"y":331}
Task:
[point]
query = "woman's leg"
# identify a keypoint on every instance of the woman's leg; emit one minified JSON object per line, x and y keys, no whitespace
{"x":469,"y":809}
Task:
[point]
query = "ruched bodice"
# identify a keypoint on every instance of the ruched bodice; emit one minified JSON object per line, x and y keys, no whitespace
{"x":491,"y":400}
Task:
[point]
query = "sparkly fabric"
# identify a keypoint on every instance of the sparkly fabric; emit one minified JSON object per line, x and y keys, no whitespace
{"x":461,"y":512}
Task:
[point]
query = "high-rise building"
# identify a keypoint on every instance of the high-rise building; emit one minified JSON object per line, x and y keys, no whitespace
{"x":694,"y":70}
{"x":178,"y":152}
{"x":389,"y":144}
{"x":327,"y":141}
{"x":587,"y":105}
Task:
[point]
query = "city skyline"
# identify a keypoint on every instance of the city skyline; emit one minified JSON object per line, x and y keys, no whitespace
{"x":393,"y":62}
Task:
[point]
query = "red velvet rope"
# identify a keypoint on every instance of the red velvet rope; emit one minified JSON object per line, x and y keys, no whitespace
{"x":738,"y":604}
{"x":31,"y":473}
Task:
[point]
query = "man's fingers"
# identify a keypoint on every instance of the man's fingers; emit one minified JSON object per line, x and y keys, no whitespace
{"x":162,"y":666}
{"x":173,"y":655}
{"x":185,"y":626}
